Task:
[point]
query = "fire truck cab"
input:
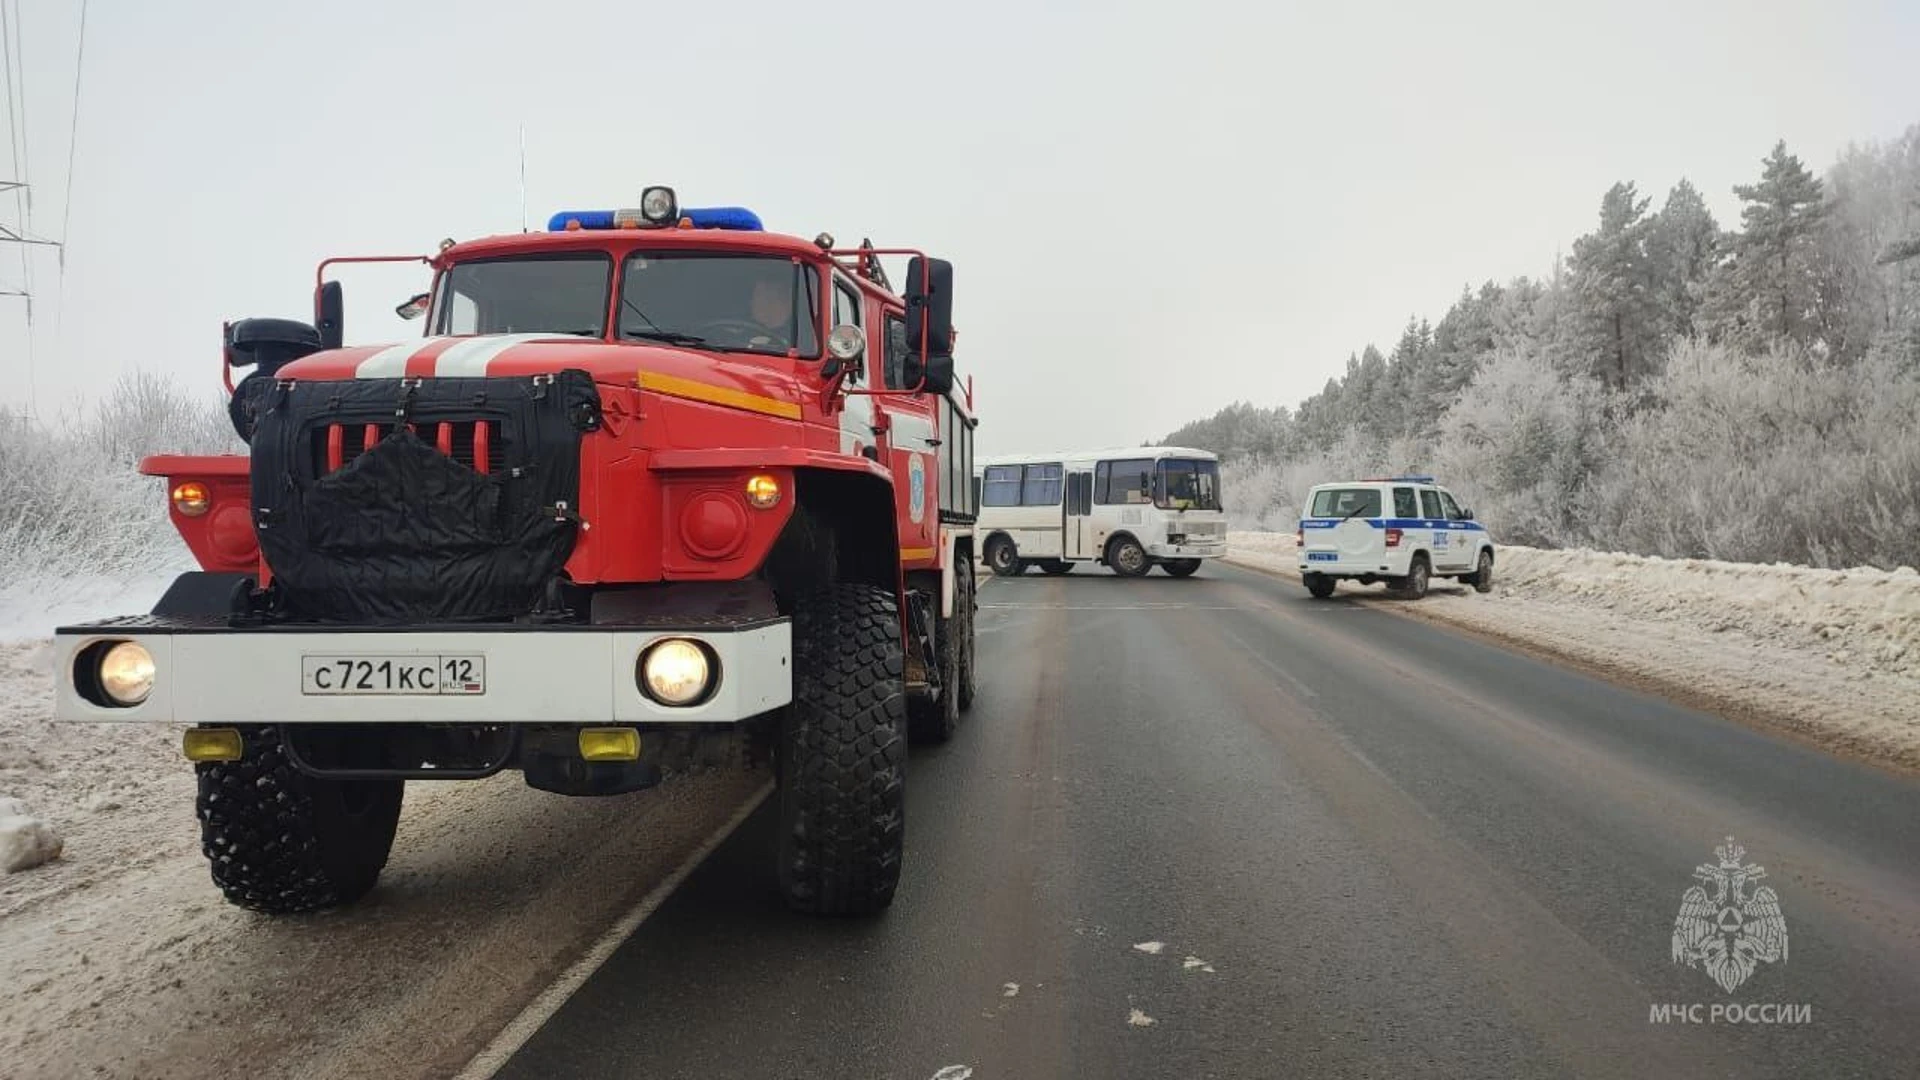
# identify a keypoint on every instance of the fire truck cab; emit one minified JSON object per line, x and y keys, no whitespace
{"x":652,"y":479}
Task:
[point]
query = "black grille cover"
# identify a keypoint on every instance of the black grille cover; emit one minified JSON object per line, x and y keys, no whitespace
{"x":403,"y":533}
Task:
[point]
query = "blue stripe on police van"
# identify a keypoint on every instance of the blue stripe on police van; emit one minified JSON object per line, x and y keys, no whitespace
{"x":1395,"y":523}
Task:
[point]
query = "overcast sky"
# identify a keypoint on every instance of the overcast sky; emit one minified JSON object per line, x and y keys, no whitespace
{"x":1154,"y":210}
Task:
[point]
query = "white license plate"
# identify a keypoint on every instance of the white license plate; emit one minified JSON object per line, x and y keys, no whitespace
{"x":412,"y":673}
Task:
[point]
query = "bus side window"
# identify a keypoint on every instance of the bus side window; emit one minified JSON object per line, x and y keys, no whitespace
{"x":1002,"y":486}
{"x":1042,"y":486}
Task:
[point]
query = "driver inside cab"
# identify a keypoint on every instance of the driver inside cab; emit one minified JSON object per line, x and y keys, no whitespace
{"x":771,"y":313}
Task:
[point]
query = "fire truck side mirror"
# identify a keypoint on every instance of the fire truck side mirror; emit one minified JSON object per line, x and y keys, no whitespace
{"x":938,"y":376}
{"x":329,"y":313}
{"x":929,"y":299}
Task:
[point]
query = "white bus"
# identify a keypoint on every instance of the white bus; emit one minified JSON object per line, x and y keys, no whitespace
{"x":1133,"y":509}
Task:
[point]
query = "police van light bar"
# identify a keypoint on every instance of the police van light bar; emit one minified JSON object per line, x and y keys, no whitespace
{"x":1402,"y":480}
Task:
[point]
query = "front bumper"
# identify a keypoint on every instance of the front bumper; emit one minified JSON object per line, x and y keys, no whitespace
{"x":207,"y":672}
{"x":1189,"y":550}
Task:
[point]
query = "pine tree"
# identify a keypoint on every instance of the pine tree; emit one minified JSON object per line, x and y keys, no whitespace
{"x":1682,"y":246}
{"x":1769,"y":289}
{"x":1465,"y":336}
{"x":1616,"y":313}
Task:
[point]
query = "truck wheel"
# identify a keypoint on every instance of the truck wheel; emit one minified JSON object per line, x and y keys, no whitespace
{"x":965,"y":601}
{"x":1181,"y":567}
{"x":1320,"y":585}
{"x":1482,"y":577}
{"x":282,"y":842}
{"x":1128,"y":558}
{"x":1419,"y":575}
{"x":842,"y":783}
{"x":1056,"y":567}
{"x":1003,"y":559}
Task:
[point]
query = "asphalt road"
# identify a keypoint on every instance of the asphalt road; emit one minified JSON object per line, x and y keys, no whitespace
{"x":1365,"y":847}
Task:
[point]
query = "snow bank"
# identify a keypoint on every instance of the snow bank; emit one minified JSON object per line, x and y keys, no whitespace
{"x":25,"y":840}
{"x":1832,"y":654}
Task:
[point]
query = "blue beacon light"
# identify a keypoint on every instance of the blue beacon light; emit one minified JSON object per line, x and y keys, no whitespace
{"x":736,"y":218}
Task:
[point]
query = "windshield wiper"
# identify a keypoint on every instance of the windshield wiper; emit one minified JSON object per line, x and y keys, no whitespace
{"x":671,"y":337}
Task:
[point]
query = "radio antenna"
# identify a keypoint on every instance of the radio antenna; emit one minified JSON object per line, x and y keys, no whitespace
{"x":523,"y":178}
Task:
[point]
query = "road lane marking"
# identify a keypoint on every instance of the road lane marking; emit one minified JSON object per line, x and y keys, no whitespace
{"x":1299,"y":687}
{"x":511,"y":1038}
{"x":1115,"y":607}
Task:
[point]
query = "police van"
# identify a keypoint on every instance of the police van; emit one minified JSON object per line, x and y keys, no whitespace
{"x":1403,"y":530}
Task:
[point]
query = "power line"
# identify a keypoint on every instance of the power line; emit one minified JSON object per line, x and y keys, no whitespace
{"x":73,"y":139}
{"x":66,"y":204}
{"x":11,"y":39}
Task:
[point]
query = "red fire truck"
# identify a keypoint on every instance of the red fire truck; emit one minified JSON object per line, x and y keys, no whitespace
{"x":652,"y":479}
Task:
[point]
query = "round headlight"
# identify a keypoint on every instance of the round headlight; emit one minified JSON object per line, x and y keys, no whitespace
{"x":126,"y":673}
{"x":675,"y":672}
{"x":657,"y":204}
{"x":846,"y":342}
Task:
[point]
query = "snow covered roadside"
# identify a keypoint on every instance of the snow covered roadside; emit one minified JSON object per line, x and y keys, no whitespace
{"x":95,"y":786}
{"x":1832,"y":655}
{"x":122,"y":960}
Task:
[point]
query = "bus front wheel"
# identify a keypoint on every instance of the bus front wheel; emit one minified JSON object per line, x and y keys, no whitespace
{"x":1127,"y":557}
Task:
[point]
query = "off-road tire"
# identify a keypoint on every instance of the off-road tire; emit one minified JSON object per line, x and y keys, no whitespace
{"x":1180,"y":567}
{"x":966,"y":600}
{"x":843,"y":742}
{"x":1003,"y":558}
{"x":1127,"y":558}
{"x":282,"y":842}
{"x":1320,"y":585}
{"x":1414,"y":585}
{"x":1482,"y":577}
{"x":1056,"y":567}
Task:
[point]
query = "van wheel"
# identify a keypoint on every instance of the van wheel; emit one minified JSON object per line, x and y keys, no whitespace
{"x":1419,"y":576}
{"x":1482,"y":577}
{"x":1320,"y":585}
{"x":1003,"y":558}
{"x":1056,"y":567}
{"x":1128,"y":558}
{"x":1180,"y":567}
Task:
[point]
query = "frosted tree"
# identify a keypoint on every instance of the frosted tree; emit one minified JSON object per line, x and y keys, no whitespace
{"x":1615,"y":306}
{"x":1682,"y":246}
{"x":1463,"y":337}
{"x":1770,"y":287}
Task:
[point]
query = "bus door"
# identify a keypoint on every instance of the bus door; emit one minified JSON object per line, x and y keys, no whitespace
{"x":1077,"y":539}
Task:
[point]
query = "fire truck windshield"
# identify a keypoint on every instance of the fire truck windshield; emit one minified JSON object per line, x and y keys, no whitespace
{"x":737,"y":303}
{"x":1187,"y":484}
{"x":562,"y":293}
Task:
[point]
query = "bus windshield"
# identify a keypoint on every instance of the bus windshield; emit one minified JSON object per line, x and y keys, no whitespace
{"x":1186,"y":484}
